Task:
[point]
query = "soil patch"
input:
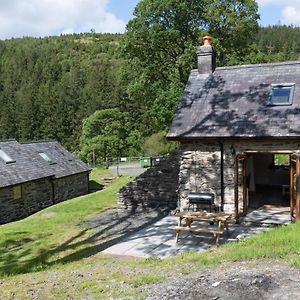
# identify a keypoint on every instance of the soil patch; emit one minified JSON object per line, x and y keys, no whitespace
{"x":234,"y":281}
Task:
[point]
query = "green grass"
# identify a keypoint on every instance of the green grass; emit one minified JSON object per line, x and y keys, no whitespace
{"x":97,"y":178}
{"x":145,"y":279}
{"x":55,"y":241}
{"x":54,"y":235}
{"x":282,"y":243}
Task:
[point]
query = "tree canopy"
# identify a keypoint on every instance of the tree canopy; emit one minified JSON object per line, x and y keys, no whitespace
{"x":160,"y":44}
{"x":108,"y":133}
{"x":49,"y":86}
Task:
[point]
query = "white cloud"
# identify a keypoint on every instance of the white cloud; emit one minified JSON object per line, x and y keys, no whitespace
{"x":48,"y":17}
{"x":291,"y":15}
{"x":271,"y":3}
{"x":289,"y":10}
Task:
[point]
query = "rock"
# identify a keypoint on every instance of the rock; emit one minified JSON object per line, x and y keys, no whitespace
{"x":216,"y":284}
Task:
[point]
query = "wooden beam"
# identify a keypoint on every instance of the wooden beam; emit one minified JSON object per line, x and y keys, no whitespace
{"x":236,"y":187}
{"x":245,"y":190}
{"x":292,"y":172}
{"x":297,"y":190}
{"x":269,"y":151}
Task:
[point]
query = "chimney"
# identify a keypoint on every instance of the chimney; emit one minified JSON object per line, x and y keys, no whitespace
{"x":206,"y":57}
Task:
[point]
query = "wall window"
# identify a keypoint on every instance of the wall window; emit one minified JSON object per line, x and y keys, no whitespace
{"x":281,"y":94}
{"x":17,"y":192}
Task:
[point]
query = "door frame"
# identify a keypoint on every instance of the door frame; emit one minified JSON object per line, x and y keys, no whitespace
{"x":240,"y":177}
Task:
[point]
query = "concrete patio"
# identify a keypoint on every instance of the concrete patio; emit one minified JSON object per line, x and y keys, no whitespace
{"x":158,"y":240}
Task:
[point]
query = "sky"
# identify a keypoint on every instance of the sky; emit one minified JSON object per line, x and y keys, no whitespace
{"x":41,"y":18}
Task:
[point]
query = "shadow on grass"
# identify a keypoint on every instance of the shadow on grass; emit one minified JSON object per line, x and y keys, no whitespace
{"x":94,"y":186}
{"x":109,"y":228}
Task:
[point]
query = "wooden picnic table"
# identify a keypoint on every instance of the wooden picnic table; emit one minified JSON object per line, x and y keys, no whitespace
{"x":218,"y":222}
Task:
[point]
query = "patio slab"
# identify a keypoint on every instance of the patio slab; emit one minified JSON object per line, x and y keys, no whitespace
{"x":158,"y":240}
{"x":268,"y":215}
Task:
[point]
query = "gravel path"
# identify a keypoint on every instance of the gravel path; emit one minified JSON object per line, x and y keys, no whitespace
{"x":235,"y":281}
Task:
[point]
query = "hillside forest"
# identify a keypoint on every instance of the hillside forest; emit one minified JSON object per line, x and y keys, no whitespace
{"x":102,"y":93}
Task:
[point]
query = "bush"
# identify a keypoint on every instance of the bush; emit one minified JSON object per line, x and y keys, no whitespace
{"x":157,"y":144}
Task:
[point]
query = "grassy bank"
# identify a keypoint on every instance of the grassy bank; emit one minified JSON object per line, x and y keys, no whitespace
{"x":54,"y":242}
{"x":49,"y":236}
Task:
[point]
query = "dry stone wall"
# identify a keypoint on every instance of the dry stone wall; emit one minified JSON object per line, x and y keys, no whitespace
{"x":196,"y":167}
{"x":156,"y":187}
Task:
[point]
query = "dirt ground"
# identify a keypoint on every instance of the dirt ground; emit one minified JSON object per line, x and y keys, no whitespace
{"x":235,"y":281}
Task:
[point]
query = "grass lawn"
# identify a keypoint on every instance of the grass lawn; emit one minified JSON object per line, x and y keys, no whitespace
{"x":49,"y":236}
{"x":53,"y":241}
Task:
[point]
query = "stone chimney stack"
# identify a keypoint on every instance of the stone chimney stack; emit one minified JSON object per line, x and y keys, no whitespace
{"x":206,"y":56}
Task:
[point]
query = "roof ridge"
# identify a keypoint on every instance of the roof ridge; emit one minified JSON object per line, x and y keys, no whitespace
{"x":40,"y":141}
{"x":283,"y":63}
{"x":250,"y":66}
{"x":8,"y":140}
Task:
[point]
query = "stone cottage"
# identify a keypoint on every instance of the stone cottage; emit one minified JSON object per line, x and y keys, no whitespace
{"x":239,"y":129}
{"x":29,"y":182}
{"x":70,"y":174}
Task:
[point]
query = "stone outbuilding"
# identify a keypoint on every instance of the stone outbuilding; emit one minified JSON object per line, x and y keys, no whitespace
{"x":37,"y":175}
{"x":239,"y":129}
{"x":71,"y":175}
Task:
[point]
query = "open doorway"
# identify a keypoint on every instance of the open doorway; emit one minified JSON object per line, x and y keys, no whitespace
{"x":268,"y":181}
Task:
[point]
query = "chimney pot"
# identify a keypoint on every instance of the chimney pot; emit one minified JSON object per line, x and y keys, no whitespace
{"x":206,"y":56}
{"x":207,"y":40}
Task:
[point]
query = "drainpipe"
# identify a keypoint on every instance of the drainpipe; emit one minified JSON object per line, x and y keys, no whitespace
{"x":222,"y":174}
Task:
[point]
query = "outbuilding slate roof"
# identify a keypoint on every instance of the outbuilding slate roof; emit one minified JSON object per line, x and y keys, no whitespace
{"x":27,"y":166}
{"x":233,"y":102}
{"x":63,"y":163}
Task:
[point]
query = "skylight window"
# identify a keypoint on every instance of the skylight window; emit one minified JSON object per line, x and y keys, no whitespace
{"x":5,"y":157}
{"x":282,"y":94}
{"x":46,"y":157}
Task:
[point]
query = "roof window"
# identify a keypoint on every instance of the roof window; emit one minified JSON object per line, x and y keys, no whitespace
{"x":46,"y":158}
{"x":282,"y":94}
{"x":6,"y":158}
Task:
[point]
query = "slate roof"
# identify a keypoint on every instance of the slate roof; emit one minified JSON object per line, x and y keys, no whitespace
{"x":27,"y":167}
{"x":232,"y":102}
{"x":63,"y":163}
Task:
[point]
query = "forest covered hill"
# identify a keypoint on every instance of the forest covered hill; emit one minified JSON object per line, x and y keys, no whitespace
{"x":48,"y":86}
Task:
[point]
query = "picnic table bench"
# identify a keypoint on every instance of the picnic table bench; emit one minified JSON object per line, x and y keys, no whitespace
{"x":219,"y":221}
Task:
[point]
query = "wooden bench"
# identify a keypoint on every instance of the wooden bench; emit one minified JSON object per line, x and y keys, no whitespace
{"x":218,"y":219}
{"x":216,"y":232}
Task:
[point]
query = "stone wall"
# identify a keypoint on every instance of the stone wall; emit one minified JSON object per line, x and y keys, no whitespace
{"x":156,"y":187}
{"x":70,"y":186}
{"x":200,"y":168}
{"x":39,"y":194}
{"x":34,"y":196}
